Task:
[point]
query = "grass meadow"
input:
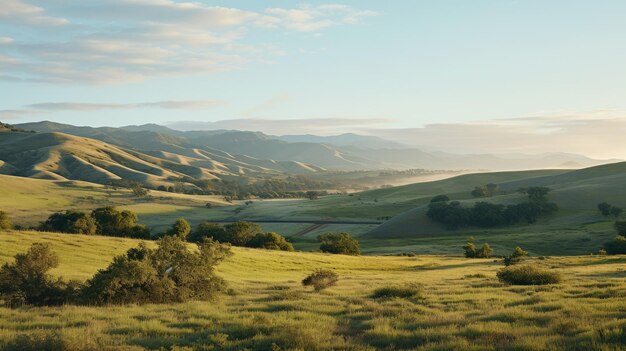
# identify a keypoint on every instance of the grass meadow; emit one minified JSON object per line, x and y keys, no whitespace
{"x":460,"y":305}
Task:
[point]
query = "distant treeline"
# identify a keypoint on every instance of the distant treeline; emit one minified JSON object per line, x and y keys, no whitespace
{"x":486,"y":215}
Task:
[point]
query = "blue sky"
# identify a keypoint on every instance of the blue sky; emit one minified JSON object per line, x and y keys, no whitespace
{"x":329,"y":67}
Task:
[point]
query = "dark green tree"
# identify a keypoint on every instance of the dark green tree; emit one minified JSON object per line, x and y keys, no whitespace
{"x":604,"y":208}
{"x":270,"y":241}
{"x":339,"y":243}
{"x":73,"y":222}
{"x":207,"y":230}
{"x":181,"y":228}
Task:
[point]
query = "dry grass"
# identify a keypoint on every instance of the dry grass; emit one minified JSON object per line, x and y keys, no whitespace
{"x":462,"y":306}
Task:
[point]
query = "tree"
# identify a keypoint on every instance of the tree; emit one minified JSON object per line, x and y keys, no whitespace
{"x":488,"y":190}
{"x":170,"y":273}
{"x":616,"y":246}
{"x":470,"y":248}
{"x":312,"y":195}
{"x":339,"y":243}
{"x":240,"y":233}
{"x":119,"y":223}
{"x":485,"y":251}
{"x":621,"y":227}
{"x":440,"y":198}
{"x":26,"y":281}
{"x":72,"y":222}
{"x":321,"y":279}
{"x":5,"y":221}
{"x":181,"y":228}
{"x":604,"y":208}
{"x":536,"y":193}
{"x":207,"y":230}
{"x":270,"y":241}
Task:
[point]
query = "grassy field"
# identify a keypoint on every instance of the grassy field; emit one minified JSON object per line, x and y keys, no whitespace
{"x":461,"y":305}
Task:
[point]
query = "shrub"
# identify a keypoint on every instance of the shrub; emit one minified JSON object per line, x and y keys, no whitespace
{"x":5,"y":221}
{"x":471,"y":251}
{"x":339,"y":243}
{"x":70,"y":222}
{"x":517,"y":256}
{"x":321,"y":279}
{"x":170,"y":273}
{"x":240,"y":233}
{"x":404,"y":291}
{"x":616,"y":246}
{"x":270,"y":241}
{"x":604,"y":208}
{"x":26,"y":281}
{"x":485,"y":251}
{"x":440,"y":198}
{"x":528,"y":275}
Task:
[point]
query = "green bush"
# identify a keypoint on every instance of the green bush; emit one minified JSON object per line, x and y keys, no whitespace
{"x":119,"y":223}
{"x":170,"y":273}
{"x":270,"y":241}
{"x":5,"y":221}
{"x":70,"y":222}
{"x":27,"y":282}
{"x":206,"y":230}
{"x":180,"y":229}
{"x":620,"y":226}
{"x":404,"y":291}
{"x":616,"y":246}
{"x":471,"y":251}
{"x":321,"y":279}
{"x":528,"y":275}
{"x":339,"y":243}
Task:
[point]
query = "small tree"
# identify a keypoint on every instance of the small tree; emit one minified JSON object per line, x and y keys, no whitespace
{"x":470,"y":248}
{"x":240,"y":233}
{"x":73,"y":222}
{"x":26,"y":281}
{"x":339,"y":243}
{"x":485,"y":251}
{"x":5,"y":221}
{"x":207,"y":230}
{"x":616,"y":246}
{"x":321,"y":279}
{"x":440,"y":198}
{"x":181,"y":228}
{"x":271,"y":241}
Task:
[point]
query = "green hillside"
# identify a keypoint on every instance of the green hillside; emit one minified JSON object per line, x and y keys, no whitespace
{"x":460,"y":305}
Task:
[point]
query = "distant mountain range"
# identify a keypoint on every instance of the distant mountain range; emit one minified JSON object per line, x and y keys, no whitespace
{"x":224,"y":153}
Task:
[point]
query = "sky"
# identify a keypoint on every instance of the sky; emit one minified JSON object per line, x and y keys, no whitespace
{"x":483,"y":75}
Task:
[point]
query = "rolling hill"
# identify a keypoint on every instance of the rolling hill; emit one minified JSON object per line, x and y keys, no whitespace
{"x":576,"y":192}
{"x":343,"y":152}
{"x":60,"y":156}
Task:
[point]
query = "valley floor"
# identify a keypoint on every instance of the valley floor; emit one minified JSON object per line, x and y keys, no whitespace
{"x":462,"y":307}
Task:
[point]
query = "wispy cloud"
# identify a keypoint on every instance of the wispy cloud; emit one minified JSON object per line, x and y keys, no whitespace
{"x":320,"y":126}
{"x":119,"y":41}
{"x":84,"y":106}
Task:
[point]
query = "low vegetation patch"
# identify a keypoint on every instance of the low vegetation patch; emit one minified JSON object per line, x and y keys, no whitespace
{"x":321,"y":279}
{"x":404,"y":291}
{"x":339,"y":243}
{"x":471,"y":251}
{"x":240,"y":233}
{"x":528,"y":275}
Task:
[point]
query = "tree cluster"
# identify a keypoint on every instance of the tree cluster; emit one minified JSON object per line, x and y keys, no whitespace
{"x":104,"y":221}
{"x":486,"y":215}
{"x":607,"y":210}
{"x":487,"y":190}
{"x":471,"y":251}
{"x":240,"y":233}
{"x":170,"y":273}
{"x":618,"y":244}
